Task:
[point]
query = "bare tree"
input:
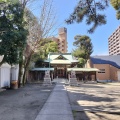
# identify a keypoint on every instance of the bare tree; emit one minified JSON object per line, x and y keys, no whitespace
{"x":39,"y":30}
{"x":24,"y":4}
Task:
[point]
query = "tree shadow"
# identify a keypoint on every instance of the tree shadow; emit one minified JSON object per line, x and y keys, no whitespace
{"x":92,"y":99}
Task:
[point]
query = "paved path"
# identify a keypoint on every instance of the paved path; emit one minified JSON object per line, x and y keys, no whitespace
{"x":57,"y":107}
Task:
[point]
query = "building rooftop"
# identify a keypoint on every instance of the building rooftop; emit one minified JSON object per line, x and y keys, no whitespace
{"x":83,"y":69}
{"x":42,"y":69}
{"x":61,"y":56}
{"x":113,"y":60}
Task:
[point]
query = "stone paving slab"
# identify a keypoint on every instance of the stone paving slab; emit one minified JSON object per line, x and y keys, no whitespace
{"x":54,"y":117}
{"x":57,"y":106}
{"x":56,"y":111}
{"x":59,"y":97}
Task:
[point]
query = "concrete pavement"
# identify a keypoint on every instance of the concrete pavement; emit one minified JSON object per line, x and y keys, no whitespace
{"x":57,"y":107}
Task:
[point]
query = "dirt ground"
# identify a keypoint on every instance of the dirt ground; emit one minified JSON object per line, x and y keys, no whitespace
{"x":95,"y":101}
{"x":23,"y":103}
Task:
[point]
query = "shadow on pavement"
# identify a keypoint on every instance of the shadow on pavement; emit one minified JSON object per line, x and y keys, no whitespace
{"x":96,"y":102}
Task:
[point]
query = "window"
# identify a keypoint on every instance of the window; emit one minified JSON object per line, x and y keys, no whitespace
{"x":101,"y":71}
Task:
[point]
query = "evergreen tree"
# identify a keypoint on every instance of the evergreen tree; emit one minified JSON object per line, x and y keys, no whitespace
{"x":12,"y":32}
{"x":83,"y":49}
{"x":116,"y":5}
{"x":92,"y":10}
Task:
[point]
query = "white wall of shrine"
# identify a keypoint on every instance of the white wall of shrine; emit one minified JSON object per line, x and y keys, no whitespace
{"x":7,"y":74}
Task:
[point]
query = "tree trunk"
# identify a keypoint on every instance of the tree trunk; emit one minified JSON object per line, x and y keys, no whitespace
{"x":20,"y":69}
{"x":1,"y":63}
{"x":26,"y":68}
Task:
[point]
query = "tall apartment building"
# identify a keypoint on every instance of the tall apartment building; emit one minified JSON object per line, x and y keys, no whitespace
{"x":114,"y":42}
{"x":61,"y":40}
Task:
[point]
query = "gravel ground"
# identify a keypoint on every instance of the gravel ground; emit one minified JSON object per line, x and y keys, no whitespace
{"x":24,"y":103}
{"x":95,"y":101}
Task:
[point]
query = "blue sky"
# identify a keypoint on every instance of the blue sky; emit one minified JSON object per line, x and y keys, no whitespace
{"x":99,"y":37}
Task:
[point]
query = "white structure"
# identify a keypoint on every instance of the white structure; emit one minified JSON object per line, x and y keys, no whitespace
{"x":5,"y":75}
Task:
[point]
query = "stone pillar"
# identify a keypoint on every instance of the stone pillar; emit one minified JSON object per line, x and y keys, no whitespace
{"x":47,"y":79}
{"x":73,"y":79}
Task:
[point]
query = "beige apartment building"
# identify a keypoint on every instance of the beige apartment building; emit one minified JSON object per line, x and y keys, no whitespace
{"x":114,"y":42}
{"x":61,"y":40}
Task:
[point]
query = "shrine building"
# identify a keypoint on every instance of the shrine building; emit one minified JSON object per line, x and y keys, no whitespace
{"x":60,"y":65}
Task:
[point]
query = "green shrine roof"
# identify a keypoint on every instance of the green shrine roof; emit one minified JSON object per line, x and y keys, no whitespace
{"x":42,"y":69}
{"x":60,"y":62}
{"x":61,"y":58}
